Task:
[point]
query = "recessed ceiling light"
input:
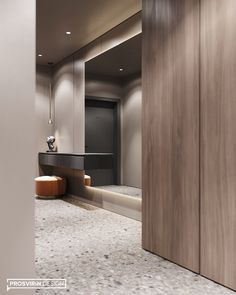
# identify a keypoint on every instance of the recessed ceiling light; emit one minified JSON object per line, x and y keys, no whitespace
{"x":68,"y":33}
{"x":40,"y":55}
{"x":121,"y":70}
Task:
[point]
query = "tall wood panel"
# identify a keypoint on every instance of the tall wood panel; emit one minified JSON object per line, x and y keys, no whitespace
{"x":218,"y":141}
{"x":171,"y":130}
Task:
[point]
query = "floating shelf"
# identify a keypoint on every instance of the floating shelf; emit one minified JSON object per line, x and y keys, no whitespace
{"x":85,"y":161}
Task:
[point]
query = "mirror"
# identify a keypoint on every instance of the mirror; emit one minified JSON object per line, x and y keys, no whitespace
{"x":113,"y":107}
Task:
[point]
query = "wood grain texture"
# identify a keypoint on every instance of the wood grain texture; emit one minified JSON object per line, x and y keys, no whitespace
{"x":218,"y":141}
{"x":171,"y":130}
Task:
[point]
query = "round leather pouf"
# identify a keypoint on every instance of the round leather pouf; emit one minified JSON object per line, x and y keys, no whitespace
{"x":49,"y":187}
{"x":87,"y":180}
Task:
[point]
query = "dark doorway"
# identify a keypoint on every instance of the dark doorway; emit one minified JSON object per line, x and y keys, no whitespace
{"x":101,"y":136}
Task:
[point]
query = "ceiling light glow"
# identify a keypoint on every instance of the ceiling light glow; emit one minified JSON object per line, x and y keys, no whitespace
{"x":68,"y":33}
{"x":121,"y":70}
{"x":40,"y":55}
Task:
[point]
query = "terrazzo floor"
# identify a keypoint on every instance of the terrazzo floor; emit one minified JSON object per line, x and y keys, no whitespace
{"x":123,"y":189}
{"x":99,"y":253}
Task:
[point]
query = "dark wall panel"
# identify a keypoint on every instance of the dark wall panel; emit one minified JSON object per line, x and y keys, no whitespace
{"x":171,"y":130}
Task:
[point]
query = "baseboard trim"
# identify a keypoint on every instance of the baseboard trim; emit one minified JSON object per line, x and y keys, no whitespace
{"x":127,"y":206}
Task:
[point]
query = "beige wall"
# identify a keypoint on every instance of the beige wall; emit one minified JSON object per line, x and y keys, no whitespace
{"x":131,"y":133}
{"x":69,"y":85}
{"x":63,"y":84}
{"x":43,"y":129}
{"x":17,"y":157}
{"x":105,"y":87}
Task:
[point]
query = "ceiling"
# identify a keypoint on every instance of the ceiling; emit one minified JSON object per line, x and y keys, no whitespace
{"x":85,"y":19}
{"x":126,"y":56}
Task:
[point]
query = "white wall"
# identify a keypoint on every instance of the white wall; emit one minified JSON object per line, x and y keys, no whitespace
{"x":131,"y":133}
{"x":43,"y":129}
{"x":17,"y":146}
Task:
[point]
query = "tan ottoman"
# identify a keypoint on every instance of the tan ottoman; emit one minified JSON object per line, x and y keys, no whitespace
{"x":87,"y":180}
{"x":48,"y":187}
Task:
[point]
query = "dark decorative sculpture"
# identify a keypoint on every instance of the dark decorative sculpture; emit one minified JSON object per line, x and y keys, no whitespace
{"x":50,"y":142}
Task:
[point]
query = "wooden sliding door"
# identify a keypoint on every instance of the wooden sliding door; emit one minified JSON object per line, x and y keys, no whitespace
{"x":218,"y":141}
{"x":171,"y":130}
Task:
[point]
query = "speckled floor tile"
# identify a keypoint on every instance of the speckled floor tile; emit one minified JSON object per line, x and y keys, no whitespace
{"x":99,"y":253}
